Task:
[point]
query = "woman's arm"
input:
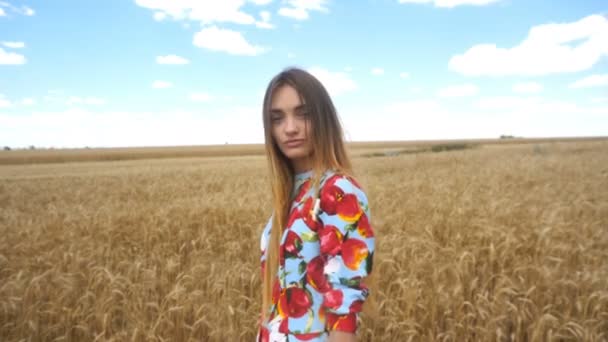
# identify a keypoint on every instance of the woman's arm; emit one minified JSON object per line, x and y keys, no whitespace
{"x":347,"y":246}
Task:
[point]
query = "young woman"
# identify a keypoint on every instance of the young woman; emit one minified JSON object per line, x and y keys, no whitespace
{"x":318,"y":245}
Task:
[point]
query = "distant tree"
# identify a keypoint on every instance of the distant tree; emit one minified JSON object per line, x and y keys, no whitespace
{"x":32,"y":147}
{"x":507,"y":137}
{"x":7,"y":148}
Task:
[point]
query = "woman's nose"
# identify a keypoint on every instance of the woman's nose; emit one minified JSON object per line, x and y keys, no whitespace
{"x":291,"y":125}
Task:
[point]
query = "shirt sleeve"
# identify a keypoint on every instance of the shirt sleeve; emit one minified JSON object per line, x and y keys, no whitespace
{"x":347,"y":246}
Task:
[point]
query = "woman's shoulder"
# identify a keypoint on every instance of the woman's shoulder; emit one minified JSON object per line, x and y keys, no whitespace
{"x":342,"y":180}
{"x":342,"y":188}
{"x":343,"y":200}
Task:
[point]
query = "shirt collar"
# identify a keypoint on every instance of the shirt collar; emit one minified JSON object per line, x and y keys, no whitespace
{"x":301,"y":177}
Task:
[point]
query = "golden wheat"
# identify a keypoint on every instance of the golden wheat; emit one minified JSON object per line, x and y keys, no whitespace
{"x":504,"y":242}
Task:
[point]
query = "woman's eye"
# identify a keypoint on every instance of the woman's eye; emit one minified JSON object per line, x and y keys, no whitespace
{"x":275,"y":119}
{"x":302,"y":114}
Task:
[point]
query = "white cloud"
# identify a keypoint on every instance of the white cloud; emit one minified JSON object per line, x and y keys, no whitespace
{"x":28,"y":101}
{"x":537,"y":116}
{"x":549,"y":48}
{"x":171,"y":59}
{"x":533,"y":106}
{"x":55,"y":96}
{"x":377,"y":71}
{"x":14,"y":45}
{"x":415,"y":90}
{"x":11,"y":58}
{"x":299,"y":8}
{"x":224,"y":40}
{"x":420,"y":119}
{"x":591,"y":81}
{"x":599,"y":99}
{"x":404,"y":120}
{"x":506,"y":102}
{"x":449,"y":3}
{"x":261,"y":2}
{"x":23,"y":10}
{"x":205,"y":11}
{"x":160,"y":16}
{"x":76,"y":100}
{"x":291,"y":55}
{"x":460,"y":90}
{"x":78,"y":127}
{"x":336,"y":83}
{"x":200,"y":97}
{"x":404,"y":75}
{"x":527,"y":87}
{"x":59,"y":97}
{"x":417,"y":107}
{"x":435,"y":119}
{"x":5,"y":103}
{"x":265,"y":23}
{"x":265,"y":15}
{"x":295,"y":13}
{"x":161,"y":84}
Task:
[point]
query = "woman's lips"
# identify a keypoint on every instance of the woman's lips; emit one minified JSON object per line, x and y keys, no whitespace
{"x":294,"y":143}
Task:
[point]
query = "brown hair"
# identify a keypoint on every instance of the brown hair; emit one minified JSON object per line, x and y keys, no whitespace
{"x":328,"y":152}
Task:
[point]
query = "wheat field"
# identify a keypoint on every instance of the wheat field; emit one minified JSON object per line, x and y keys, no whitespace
{"x":498,"y":242}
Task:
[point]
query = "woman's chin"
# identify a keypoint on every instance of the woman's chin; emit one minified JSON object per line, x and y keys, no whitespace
{"x":295,"y":153}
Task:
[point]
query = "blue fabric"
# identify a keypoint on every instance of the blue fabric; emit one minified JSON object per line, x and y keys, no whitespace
{"x":322,"y":266}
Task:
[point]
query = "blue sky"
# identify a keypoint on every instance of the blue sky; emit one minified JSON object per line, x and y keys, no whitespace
{"x":186,"y":72}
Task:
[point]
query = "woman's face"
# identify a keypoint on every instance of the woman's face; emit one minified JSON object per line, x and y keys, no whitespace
{"x":291,"y":127}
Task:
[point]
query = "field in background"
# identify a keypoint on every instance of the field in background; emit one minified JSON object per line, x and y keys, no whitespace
{"x":501,"y":241}
{"x":49,"y":155}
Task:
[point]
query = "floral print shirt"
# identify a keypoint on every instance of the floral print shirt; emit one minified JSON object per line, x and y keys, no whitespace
{"x":323,"y":259}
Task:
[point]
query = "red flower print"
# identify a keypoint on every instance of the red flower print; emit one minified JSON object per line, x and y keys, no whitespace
{"x":282,"y":306}
{"x":354,"y":251}
{"x":264,"y":335}
{"x":321,"y":313}
{"x":276,"y":290}
{"x":335,"y":201}
{"x":292,"y":245}
{"x":315,"y":276}
{"x":294,"y":302}
{"x":307,"y":337}
{"x":308,"y":215}
{"x":294,"y":215}
{"x":330,"y":239}
{"x":283,"y":328}
{"x":330,"y":195}
{"x":331,"y":181}
{"x":348,"y":208}
{"x":356,"y":306}
{"x":332,"y":299}
{"x":364,"y":228}
{"x":346,"y":323}
{"x":302,"y":190}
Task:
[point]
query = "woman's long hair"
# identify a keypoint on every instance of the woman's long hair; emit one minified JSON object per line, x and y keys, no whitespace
{"x":328,"y":152}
